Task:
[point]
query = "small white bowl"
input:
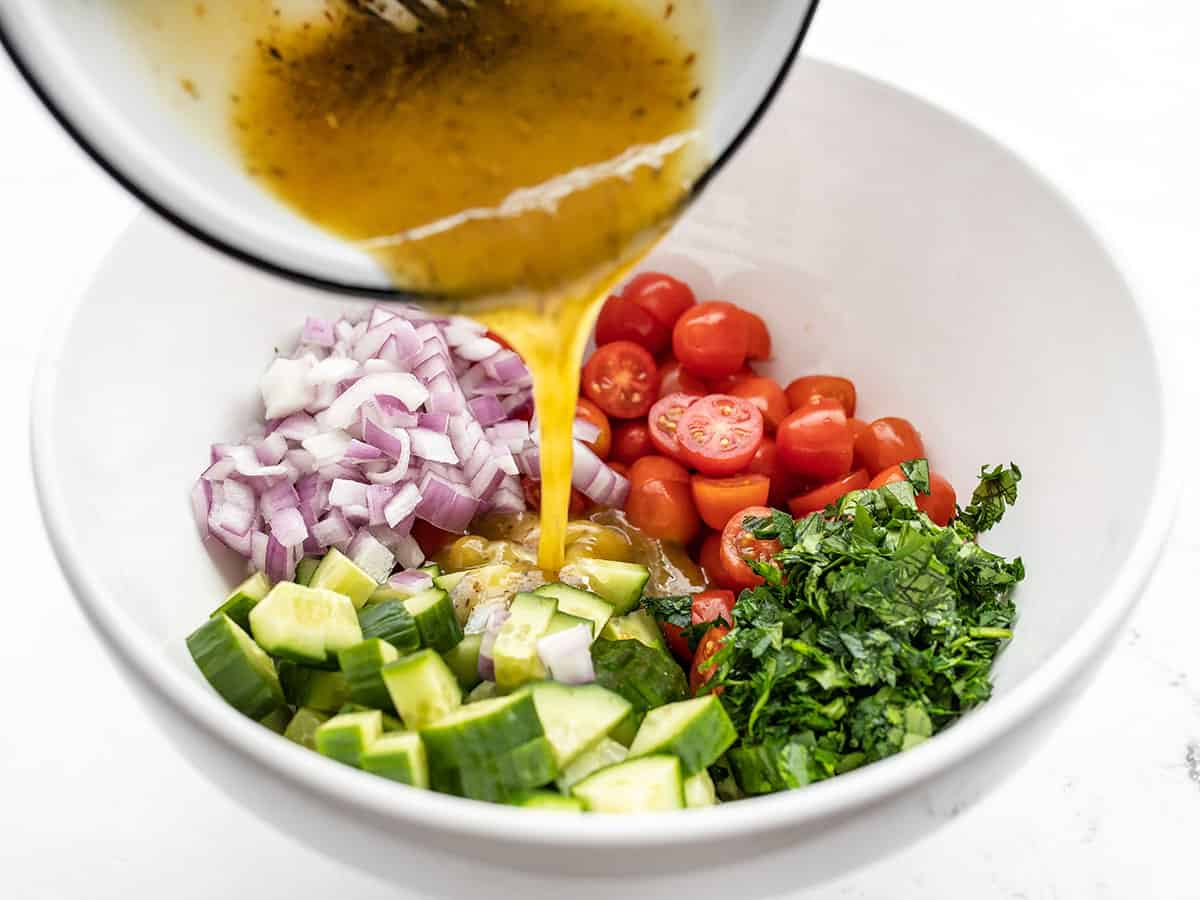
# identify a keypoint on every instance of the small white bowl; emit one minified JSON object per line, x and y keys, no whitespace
{"x":880,"y":239}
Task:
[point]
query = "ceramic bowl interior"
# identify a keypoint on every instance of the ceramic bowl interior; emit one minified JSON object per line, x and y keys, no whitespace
{"x":880,"y":239}
{"x":120,"y":95}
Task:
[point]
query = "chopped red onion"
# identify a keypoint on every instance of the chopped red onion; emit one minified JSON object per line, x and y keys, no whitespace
{"x":288,"y":527}
{"x":378,"y":496}
{"x":281,"y":496}
{"x":583,"y":430}
{"x":408,"y":552}
{"x":478,"y":349}
{"x":432,"y":446}
{"x":445,"y":505}
{"x":370,"y":555}
{"x":568,"y":656}
{"x":347,"y":493}
{"x":258,"y":550}
{"x":439,"y":422}
{"x":358,"y":451}
{"x":285,"y":387}
{"x":333,"y":529}
{"x":317,"y":332}
{"x":506,"y":366}
{"x":271,"y":449}
{"x":402,"y":504}
{"x":343,"y":411}
{"x":201,"y":504}
{"x":396,"y":444}
{"x":486,"y":410}
{"x":280,"y":566}
{"x":411,"y":581}
{"x":327,"y":447}
{"x":444,"y":402}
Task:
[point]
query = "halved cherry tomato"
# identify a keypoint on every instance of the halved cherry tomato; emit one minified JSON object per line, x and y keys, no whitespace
{"x":766,"y":462}
{"x":707,"y":606}
{"x":938,"y":504}
{"x":662,"y":296}
{"x":723,"y":383}
{"x":702,"y":670}
{"x":499,"y":339}
{"x":588,"y":411}
{"x":710,"y":561}
{"x":819,"y":498}
{"x":662,"y":509}
{"x":719,"y":434}
{"x":711,"y":339}
{"x":812,"y":388}
{"x":578,"y":506}
{"x":887,"y":442}
{"x":663,"y":421}
{"x":815,"y":443}
{"x":758,"y":338}
{"x":857,"y":427}
{"x":621,"y":319}
{"x":430,"y":537}
{"x":648,"y":468}
{"x":622,"y":379}
{"x":618,"y":467}
{"x":631,"y":441}
{"x":738,"y":545}
{"x":766,"y":394}
{"x":719,"y":498}
{"x":675,"y":379}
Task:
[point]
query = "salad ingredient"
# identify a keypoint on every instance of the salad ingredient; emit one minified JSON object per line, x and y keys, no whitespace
{"x":573,"y":601}
{"x":338,"y":573}
{"x":663,"y":422}
{"x":320,"y":689}
{"x":587,"y":411}
{"x":710,"y":560}
{"x":699,"y":791}
{"x":623,"y":319}
{"x":547,"y":801}
{"x":938,"y":502}
{"x":719,"y":434}
{"x":766,"y":394}
{"x":661,"y":507}
{"x":302,"y":729}
{"x":516,"y":651}
{"x":244,"y":598}
{"x":664,"y":297}
{"x":304,"y":624}
{"x":603,"y":754}
{"x":815,"y":443}
{"x":631,"y":441}
{"x":463,"y":660}
{"x":645,"y":676}
{"x":622,"y":379}
{"x":236,"y":667}
{"x":433,"y":613}
{"x":814,"y":388}
{"x":758,"y":338}
{"x":678,"y":614}
{"x":888,"y":442}
{"x":741,"y":547}
{"x":711,"y":339}
{"x":675,"y":379}
{"x":398,"y":756}
{"x":362,"y":665}
{"x":388,"y":618}
{"x":635,"y":626}
{"x":819,"y":498}
{"x":996,"y":491}
{"x":618,"y":583}
{"x":702,"y":668}
{"x":422,"y":688}
{"x":717,"y":499}
{"x":346,"y":736}
{"x":650,"y":784}
{"x":577,"y":718}
{"x":695,"y":731}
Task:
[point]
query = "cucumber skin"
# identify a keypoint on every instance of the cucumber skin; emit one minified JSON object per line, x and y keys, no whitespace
{"x":617,"y":583}
{"x":391,"y":621}
{"x":638,"y":625}
{"x":406,"y":766}
{"x":646,"y":677}
{"x":318,"y":689}
{"x":499,"y":778}
{"x":238,"y":609}
{"x":705,"y":737}
{"x":438,"y":625}
{"x":277,"y":720}
{"x":463,"y":660}
{"x":246,"y":682}
{"x":422,"y":688}
{"x":340,"y":574}
{"x":362,"y":665}
{"x":754,"y":770}
{"x":305,"y":569}
{"x":586,"y":789}
{"x":302,"y":729}
{"x":345,"y":737}
{"x":549,"y":801}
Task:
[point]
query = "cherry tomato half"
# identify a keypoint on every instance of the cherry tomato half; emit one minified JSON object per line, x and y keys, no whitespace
{"x":675,"y":379}
{"x":588,"y":411}
{"x":819,"y":498}
{"x":938,"y":504}
{"x":711,"y":339}
{"x":622,"y":379}
{"x":662,"y":509}
{"x":707,"y":606}
{"x":815,"y":443}
{"x":767,"y":395}
{"x":710,"y":561}
{"x":663,"y":421}
{"x":766,"y":462}
{"x":662,"y":296}
{"x":719,"y":434}
{"x":887,"y":442}
{"x":717,"y":499}
{"x":621,"y":319}
{"x":702,"y":670}
{"x":812,"y":388}
{"x":722,"y":384}
{"x":738,"y":545}
{"x":631,"y":441}
{"x":758,"y":338}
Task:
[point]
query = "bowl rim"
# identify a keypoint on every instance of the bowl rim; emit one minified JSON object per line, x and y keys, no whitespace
{"x":788,"y":810}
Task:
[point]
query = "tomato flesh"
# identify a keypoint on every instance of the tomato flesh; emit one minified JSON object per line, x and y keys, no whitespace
{"x":675,"y":379}
{"x":739,"y":545}
{"x":663,"y":421}
{"x":664,"y":297}
{"x":710,"y":561}
{"x":711,"y":339}
{"x":622,"y":319}
{"x":815,"y":443}
{"x":622,"y":379}
{"x":707,"y":606}
{"x":588,"y":411}
{"x":702,"y":670}
{"x":717,"y":499}
{"x":719,"y":434}
{"x":758,"y":338}
{"x":813,"y":388}
{"x":819,"y":498}
{"x":888,"y":442}
{"x":766,"y":394}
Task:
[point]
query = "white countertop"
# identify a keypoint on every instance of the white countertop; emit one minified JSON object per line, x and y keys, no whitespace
{"x":1101,"y":96}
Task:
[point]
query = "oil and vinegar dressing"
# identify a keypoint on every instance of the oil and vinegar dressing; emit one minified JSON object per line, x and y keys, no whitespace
{"x":512,"y":164}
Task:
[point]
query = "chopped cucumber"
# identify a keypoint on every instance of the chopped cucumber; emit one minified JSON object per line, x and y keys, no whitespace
{"x":645,"y":677}
{"x":433,"y":611}
{"x":606,"y":753}
{"x":362,"y":665}
{"x":305,"y":569}
{"x":450,"y":580}
{"x":463,"y":660}
{"x":399,"y":756}
{"x":433,"y":569}
{"x":244,"y":598}
{"x":485,"y":690}
{"x":390,"y":722}
{"x":583,"y":604}
{"x":515,"y":653}
{"x":315,"y":688}
{"x":699,"y":790}
{"x":236,"y":667}
{"x":302,"y":729}
{"x":345,"y":737}
{"x":277,"y":720}
{"x":391,"y":621}
{"x":755,"y":770}
{"x":576,"y":718}
{"x":648,"y":784}
{"x":548,"y":800}
{"x":422,"y":688}
{"x":337,"y":572}
{"x":638,"y":625}
{"x":619,"y":583}
{"x":304,"y":624}
{"x":561,"y":621}
{"x":626,"y":729}
{"x":528,"y":766}
{"x":697,"y":731}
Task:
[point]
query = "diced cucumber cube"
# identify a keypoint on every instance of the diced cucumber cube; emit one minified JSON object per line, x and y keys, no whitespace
{"x":618,"y":583}
{"x":337,"y":572}
{"x":362,"y":665}
{"x":463,"y":660}
{"x":305,"y":569}
{"x":638,"y":625}
{"x":244,"y":598}
{"x":548,"y":800}
{"x":277,"y":720}
{"x":699,"y":790}
{"x":562,"y":621}
{"x":390,"y":722}
{"x":433,"y":611}
{"x":449,"y":581}
{"x":433,"y":569}
{"x":399,"y":756}
{"x":307,"y":625}
{"x":606,"y":753}
{"x":583,"y":604}
{"x":316,"y":688}
{"x":236,"y":667}
{"x":422,"y":688}
{"x":697,"y":731}
{"x":483,"y":729}
{"x":649,"y":784}
{"x":576,"y":718}
{"x":645,"y":677}
{"x":515,"y":652}
{"x":485,"y":690}
{"x":302,"y":729}
{"x":346,"y":737}
{"x":391,"y":621}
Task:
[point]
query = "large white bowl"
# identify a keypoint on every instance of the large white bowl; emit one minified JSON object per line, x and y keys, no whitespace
{"x":881,"y":239}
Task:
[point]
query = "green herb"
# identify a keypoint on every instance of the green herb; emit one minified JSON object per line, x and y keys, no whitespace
{"x":917,"y":472}
{"x":876,"y":628}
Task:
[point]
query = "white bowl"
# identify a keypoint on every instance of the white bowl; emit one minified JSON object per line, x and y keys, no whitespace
{"x":881,"y":239}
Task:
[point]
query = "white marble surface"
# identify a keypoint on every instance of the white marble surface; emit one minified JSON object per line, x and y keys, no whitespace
{"x":1101,"y":95}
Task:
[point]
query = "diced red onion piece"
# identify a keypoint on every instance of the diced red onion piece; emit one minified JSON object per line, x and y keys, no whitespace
{"x":401,"y":385}
{"x":332,"y":370}
{"x":327,"y":447}
{"x":318,"y":332}
{"x":258,"y":550}
{"x":444,"y":402}
{"x":446,"y":505}
{"x":333,"y":529}
{"x":288,"y":527}
{"x":359,"y":451}
{"x":478,"y":349}
{"x":567,"y":655}
{"x":281,"y":496}
{"x":370,"y":555}
{"x":506,"y":366}
{"x":357,"y":515}
{"x":486,"y":410}
{"x":438,"y":422}
{"x":432,"y":446}
{"x":378,"y":496}
{"x":271,"y":449}
{"x":412,"y":581}
{"x":481,"y":617}
{"x":378,"y":316}
{"x":585,"y":431}
{"x":347,"y":493}
{"x":402,"y":504}
{"x":284,"y":386}
{"x":201,"y":504}
{"x":220,"y":470}
{"x":408,"y":552}
{"x":279,"y":565}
